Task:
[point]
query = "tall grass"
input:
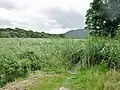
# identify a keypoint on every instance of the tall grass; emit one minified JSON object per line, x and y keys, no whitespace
{"x":105,"y":50}
{"x":95,"y":78}
{"x":20,"y":56}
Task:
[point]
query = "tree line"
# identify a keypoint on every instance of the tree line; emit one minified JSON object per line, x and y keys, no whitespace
{"x":21,"y":33}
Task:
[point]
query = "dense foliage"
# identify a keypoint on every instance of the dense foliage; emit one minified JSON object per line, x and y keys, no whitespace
{"x":103,"y":50}
{"x":21,"y":33}
{"x":103,"y":17}
{"x":20,"y":56}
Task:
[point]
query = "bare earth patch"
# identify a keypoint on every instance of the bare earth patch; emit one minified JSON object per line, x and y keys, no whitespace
{"x":33,"y":79}
{"x":63,"y":88}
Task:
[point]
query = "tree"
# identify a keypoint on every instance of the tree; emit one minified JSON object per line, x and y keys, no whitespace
{"x":103,"y":17}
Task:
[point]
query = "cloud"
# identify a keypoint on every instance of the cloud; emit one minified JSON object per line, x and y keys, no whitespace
{"x":4,"y":22}
{"x":7,"y":4}
{"x":53,"y":16}
{"x":66,"y":19}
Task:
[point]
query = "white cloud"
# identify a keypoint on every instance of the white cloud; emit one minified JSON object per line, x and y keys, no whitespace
{"x":53,"y":16}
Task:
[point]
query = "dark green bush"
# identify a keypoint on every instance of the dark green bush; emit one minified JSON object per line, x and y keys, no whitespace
{"x":10,"y":70}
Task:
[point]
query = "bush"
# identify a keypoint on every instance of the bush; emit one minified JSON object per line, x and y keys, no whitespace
{"x":10,"y":70}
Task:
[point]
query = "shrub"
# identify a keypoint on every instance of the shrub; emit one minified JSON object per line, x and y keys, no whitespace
{"x":11,"y":69}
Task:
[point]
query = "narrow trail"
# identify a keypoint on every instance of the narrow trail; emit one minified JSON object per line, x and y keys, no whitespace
{"x":33,"y":79}
{"x":72,"y":72}
{"x":42,"y":81}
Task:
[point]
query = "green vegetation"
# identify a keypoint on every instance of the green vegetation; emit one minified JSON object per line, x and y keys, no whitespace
{"x":103,"y":17}
{"x":105,"y":50}
{"x":78,"y":64}
{"x":21,"y":56}
{"x":95,"y":78}
{"x":21,"y":33}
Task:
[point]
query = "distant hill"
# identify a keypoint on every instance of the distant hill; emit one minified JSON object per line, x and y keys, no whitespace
{"x":79,"y":33}
{"x":21,"y":33}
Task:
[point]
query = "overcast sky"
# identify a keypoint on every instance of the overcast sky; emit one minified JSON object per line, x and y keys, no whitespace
{"x":52,"y":16}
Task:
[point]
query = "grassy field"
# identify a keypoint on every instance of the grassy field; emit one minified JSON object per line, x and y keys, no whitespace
{"x":88,"y":79}
{"x":95,"y":62}
{"x":18,"y":57}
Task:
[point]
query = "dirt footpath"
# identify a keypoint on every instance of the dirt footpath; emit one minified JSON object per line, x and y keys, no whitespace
{"x":22,"y":85}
